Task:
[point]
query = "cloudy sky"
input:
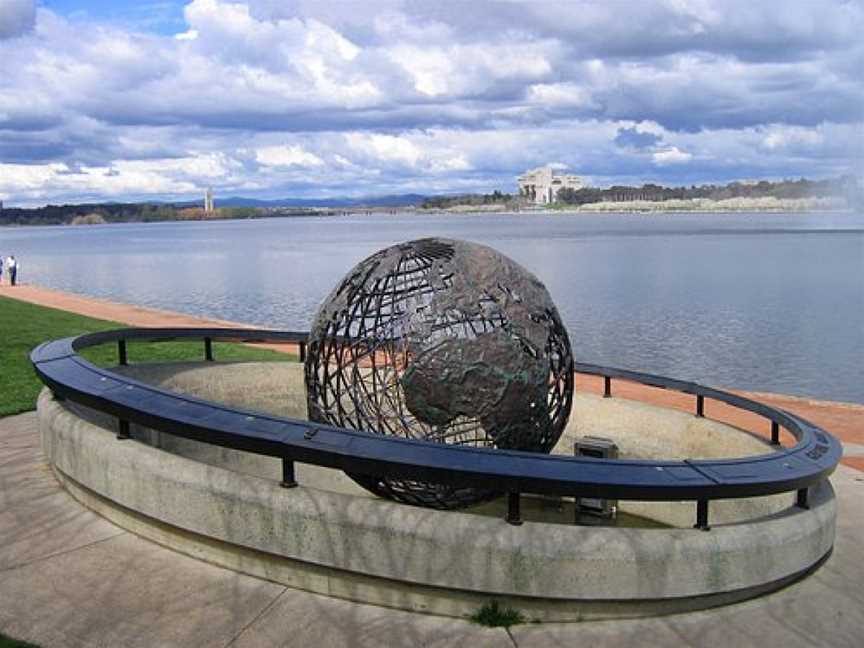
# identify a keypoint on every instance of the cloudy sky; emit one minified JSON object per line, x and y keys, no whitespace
{"x":109,"y":100}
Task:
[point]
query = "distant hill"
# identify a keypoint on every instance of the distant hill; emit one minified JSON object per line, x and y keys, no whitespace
{"x":399,"y":200}
{"x":230,"y":207}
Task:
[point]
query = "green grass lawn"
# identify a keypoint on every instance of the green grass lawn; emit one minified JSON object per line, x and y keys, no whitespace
{"x":24,"y":326}
{"x":6,"y":642}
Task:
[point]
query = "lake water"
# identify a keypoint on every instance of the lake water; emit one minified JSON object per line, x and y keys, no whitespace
{"x":766,"y":302}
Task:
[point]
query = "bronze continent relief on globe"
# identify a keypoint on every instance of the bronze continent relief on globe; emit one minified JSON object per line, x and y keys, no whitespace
{"x":444,"y":341}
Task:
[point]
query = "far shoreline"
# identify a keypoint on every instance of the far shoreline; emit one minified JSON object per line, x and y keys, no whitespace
{"x":466,"y":210}
{"x":611,"y":212}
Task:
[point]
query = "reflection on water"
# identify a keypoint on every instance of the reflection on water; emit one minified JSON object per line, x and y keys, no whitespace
{"x":768,"y":302}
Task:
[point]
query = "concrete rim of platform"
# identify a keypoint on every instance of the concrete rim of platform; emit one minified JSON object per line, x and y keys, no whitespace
{"x":422,"y":560}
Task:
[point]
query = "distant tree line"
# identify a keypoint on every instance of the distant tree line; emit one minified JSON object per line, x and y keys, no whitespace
{"x":94,"y":213}
{"x":786,"y":189}
{"x":845,"y":186}
{"x":443,"y":202}
{"x":117,"y":213}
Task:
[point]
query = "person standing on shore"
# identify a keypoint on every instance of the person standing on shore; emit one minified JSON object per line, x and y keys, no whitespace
{"x":12,"y":266}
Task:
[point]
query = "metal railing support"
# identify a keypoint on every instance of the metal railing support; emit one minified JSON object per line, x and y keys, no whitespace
{"x":700,"y":406}
{"x":702,"y":516}
{"x":123,"y":430}
{"x":775,"y":433}
{"x":121,"y":352}
{"x":208,"y":349}
{"x":607,"y":387}
{"x":514,"y":515}
{"x":288,"y":478}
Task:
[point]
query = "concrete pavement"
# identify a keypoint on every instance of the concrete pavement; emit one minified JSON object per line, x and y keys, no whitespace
{"x":70,"y":579}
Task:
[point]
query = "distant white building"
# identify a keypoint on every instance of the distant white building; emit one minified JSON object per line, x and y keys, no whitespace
{"x":542,"y":185}
{"x":208,"y":200}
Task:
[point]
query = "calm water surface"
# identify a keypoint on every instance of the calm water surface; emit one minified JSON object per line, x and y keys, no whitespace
{"x":767,"y":302}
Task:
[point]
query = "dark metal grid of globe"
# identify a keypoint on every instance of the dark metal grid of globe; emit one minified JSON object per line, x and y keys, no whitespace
{"x":414,"y":342}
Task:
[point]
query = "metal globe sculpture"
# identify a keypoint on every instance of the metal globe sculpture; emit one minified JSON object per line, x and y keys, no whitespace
{"x":441,"y":340}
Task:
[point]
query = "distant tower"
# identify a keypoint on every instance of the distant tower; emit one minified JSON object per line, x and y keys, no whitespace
{"x":208,"y":200}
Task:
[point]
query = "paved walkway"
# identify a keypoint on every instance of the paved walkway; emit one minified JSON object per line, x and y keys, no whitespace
{"x":104,"y":309}
{"x":70,"y":579}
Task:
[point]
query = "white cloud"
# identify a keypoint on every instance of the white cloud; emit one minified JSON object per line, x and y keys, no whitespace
{"x":561,"y":94}
{"x":173,"y":176}
{"x":287,"y":156}
{"x":472,"y":69}
{"x":43,"y":181}
{"x":303,"y":98}
{"x":781,"y":137}
{"x":671,"y":155}
{"x":24,"y":177}
{"x":456,"y":163}
{"x":431,"y":70}
{"x":387,"y":148}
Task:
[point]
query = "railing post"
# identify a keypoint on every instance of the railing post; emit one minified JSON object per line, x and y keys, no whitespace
{"x":121,"y":351}
{"x":801,"y":498}
{"x":775,"y":433}
{"x":208,"y":349}
{"x":702,"y":516}
{"x":302,"y":346}
{"x":123,"y":430}
{"x":607,"y":387}
{"x":514,"y":516}
{"x":700,"y":406}
{"x":288,"y":478}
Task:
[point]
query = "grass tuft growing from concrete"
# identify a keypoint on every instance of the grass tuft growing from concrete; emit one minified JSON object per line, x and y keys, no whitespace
{"x":494,"y":615}
{"x":24,"y":326}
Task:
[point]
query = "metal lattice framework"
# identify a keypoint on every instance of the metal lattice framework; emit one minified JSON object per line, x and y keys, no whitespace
{"x":445,"y":341}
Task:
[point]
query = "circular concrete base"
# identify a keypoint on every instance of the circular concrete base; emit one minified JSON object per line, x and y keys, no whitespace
{"x":228,"y":508}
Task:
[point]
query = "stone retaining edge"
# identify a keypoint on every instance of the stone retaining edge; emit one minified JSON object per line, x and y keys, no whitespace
{"x":388,"y":554}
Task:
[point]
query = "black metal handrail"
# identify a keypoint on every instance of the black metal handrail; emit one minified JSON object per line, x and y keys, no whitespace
{"x":815,"y":455}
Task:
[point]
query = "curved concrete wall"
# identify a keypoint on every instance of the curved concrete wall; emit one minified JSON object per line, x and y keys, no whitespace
{"x":640,"y":430}
{"x":381,"y":552}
